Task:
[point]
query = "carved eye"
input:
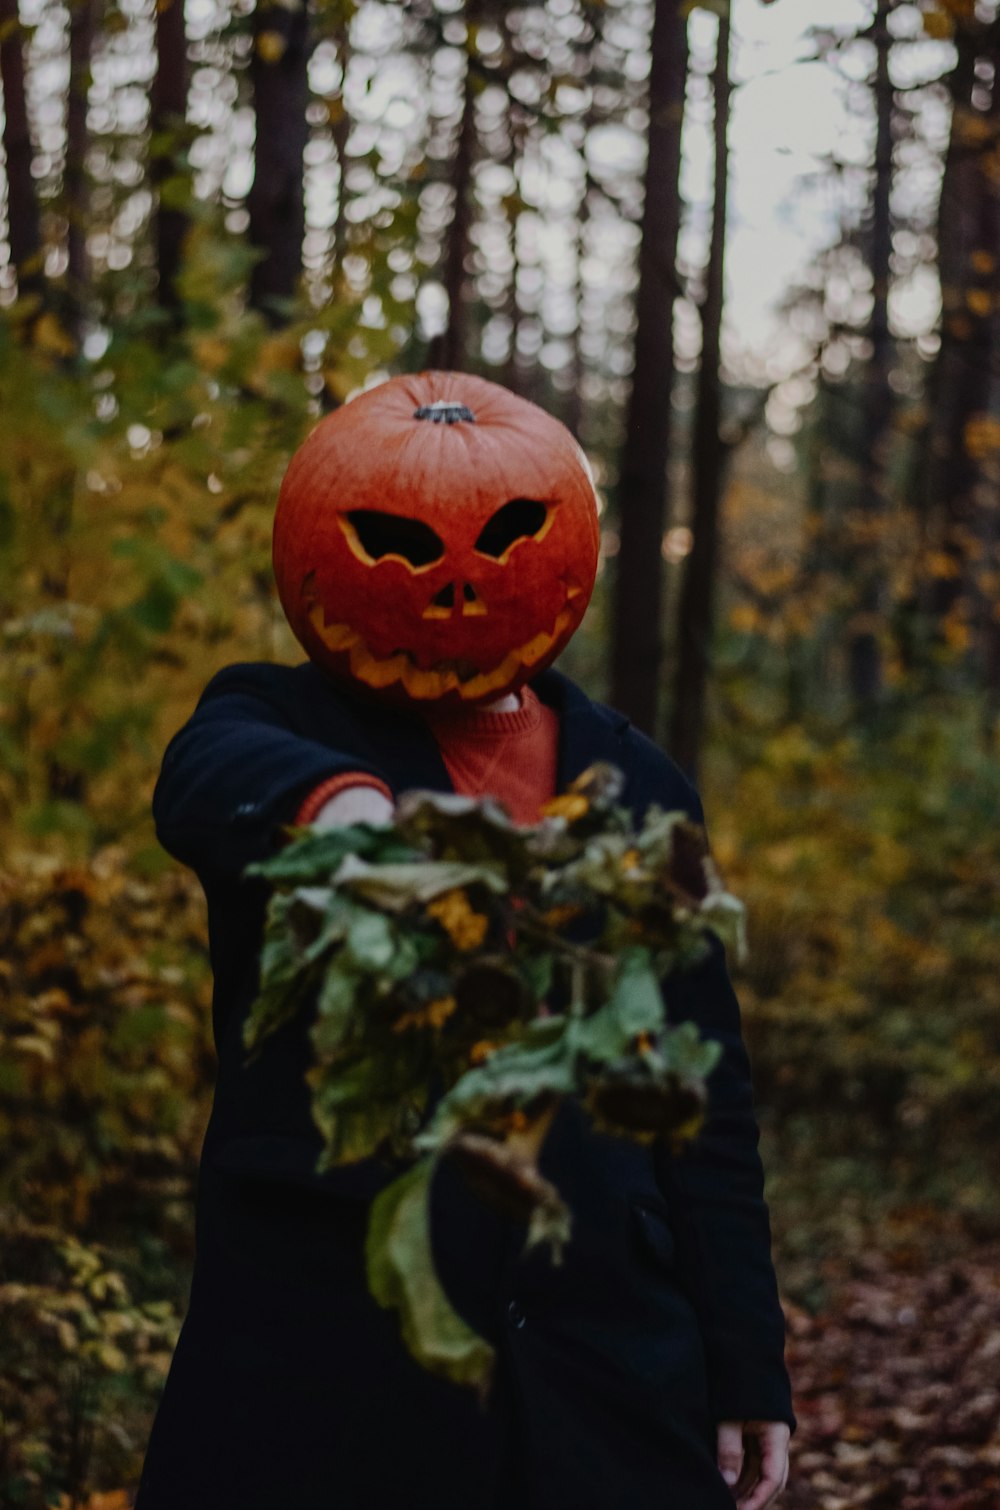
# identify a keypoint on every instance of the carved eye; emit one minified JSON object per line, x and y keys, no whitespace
{"x":381,"y":535}
{"x":520,"y":519}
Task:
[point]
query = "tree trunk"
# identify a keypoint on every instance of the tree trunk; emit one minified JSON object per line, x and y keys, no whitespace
{"x":341,"y":131}
{"x":75,"y":189}
{"x":276,"y":202}
{"x":22,"y":203}
{"x":167,"y":115}
{"x":576,"y":407}
{"x":450,"y":350}
{"x":516,"y":133}
{"x":696,"y":614}
{"x":642,"y":491}
{"x":864,"y":649}
{"x":964,"y":441}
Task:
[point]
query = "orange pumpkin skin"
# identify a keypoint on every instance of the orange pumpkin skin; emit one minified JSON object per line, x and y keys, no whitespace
{"x":445,"y":558}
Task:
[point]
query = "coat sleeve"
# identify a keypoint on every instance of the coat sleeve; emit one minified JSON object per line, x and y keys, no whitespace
{"x":237,"y":771}
{"x":716,"y":1193}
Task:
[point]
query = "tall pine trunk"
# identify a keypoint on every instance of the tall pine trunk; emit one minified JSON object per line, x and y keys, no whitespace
{"x":696,"y":615}
{"x":636,"y":650}
{"x":450,"y":350}
{"x":75,"y":186}
{"x":865,"y":668}
{"x":276,"y":202}
{"x":22,"y":203}
{"x":964,"y":461}
{"x":167,"y":114}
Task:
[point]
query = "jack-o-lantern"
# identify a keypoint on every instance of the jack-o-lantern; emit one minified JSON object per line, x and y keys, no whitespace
{"x":436,"y":539}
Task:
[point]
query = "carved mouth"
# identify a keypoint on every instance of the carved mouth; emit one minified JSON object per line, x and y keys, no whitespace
{"x":458,"y":676}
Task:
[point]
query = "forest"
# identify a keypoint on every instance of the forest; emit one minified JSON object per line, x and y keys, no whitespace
{"x":219,"y":221}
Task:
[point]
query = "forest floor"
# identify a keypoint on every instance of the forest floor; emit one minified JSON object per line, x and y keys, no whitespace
{"x":893,"y":1305}
{"x":897,"y":1386}
{"x":897,"y":1389}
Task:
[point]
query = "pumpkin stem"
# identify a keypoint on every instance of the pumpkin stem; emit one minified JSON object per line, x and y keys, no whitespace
{"x":443,"y":412}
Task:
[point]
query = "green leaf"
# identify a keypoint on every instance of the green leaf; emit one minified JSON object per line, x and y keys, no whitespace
{"x":635,"y":1006}
{"x":513,"y":1075}
{"x":314,"y":857}
{"x":538,"y":971}
{"x":358,"y":1109}
{"x":726,"y":916}
{"x":370,"y":943}
{"x":401,"y":1277}
{"x":687,"y":1053}
{"x":396,"y":887}
{"x":335,"y":1008}
{"x":465,"y":828}
{"x":156,"y":608}
{"x":636,"y":1000}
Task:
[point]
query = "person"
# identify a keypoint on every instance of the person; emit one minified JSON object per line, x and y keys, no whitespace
{"x":435,"y":548}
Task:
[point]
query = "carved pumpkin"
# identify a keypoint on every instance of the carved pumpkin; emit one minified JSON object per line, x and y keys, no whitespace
{"x":436,"y":539}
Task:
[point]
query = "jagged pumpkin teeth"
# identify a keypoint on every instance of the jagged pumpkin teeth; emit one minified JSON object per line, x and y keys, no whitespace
{"x":436,"y":681}
{"x":436,"y":562}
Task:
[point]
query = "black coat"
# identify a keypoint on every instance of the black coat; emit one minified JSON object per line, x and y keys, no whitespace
{"x":290,"y":1388}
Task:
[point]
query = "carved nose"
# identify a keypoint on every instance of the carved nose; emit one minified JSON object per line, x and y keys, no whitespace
{"x":443,"y":603}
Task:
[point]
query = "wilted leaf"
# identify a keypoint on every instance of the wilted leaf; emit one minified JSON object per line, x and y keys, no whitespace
{"x":401,"y":1276}
{"x":507,"y":1179}
{"x":395,"y":887}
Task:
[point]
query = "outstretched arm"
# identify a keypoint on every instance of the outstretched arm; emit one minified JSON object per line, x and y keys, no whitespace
{"x":238,"y":771}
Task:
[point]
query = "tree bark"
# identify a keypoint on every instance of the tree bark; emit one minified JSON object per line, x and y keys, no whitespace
{"x":576,"y":408}
{"x":636,"y":649}
{"x":450,"y":350}
{"x":75,"y":188}
{"x":276,"y":202}
{"x":516,"y":134}
{"x":865,"y":669}
{"x":167,"y":116}
{"x":964,"y":434}
{"x":696,"y":616}
{"x":341,"y":131}
{"x":22,"y":203}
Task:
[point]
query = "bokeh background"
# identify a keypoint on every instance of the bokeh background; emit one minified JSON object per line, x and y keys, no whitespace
{"x":751,"y":255}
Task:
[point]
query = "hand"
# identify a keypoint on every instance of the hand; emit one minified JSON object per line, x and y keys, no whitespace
{"x":357,"y":804}
{"x":753,"y":1459}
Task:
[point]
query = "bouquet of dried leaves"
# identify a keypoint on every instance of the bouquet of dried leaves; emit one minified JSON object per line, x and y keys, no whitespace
{"x":469,"y":974}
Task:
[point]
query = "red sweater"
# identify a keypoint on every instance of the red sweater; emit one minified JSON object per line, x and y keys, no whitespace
{"x":510,"y":756}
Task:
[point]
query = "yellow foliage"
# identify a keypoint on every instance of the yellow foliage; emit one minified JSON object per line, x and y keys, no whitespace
{"x":941,"y":564}
{"x":957,"y":633}
{"x":982,"y":435}
{"x":433,"y":1015}
{"x":114,"y":1499}
{"x":271,"y":46}
{"x":464,"y":926}
{"x":744,"y":618}
{"x":980,"y":301}
{"x":961,"y":10}
{"x":570,"y":805}
{"x":558,"y":917}
{"x":971,"y":128}
{"x":49,"y":336}
{"x":280,"y":353}
{"x":868,"y":877}
{"x":211,"y":352}
{"x":938,"y":24}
